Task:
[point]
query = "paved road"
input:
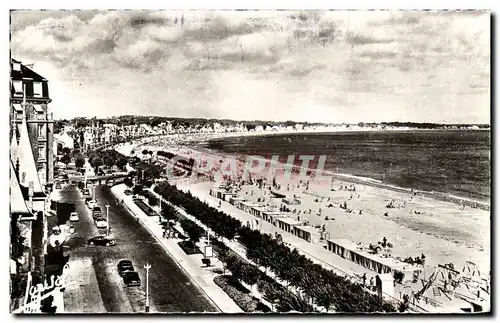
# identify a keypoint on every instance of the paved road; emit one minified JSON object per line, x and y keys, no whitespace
{"x":170,"y":289}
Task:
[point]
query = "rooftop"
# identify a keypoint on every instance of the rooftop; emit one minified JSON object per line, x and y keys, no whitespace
{"x":25,"y":72}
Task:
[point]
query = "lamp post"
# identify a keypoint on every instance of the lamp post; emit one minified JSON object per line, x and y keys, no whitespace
{"x":107,"y":219}
{"x":147,"y":267}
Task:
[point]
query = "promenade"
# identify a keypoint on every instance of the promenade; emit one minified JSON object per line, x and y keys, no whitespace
{"x":201,"y":275}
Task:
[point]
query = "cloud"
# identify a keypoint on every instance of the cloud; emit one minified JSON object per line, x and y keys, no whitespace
{"x":336,"y":59}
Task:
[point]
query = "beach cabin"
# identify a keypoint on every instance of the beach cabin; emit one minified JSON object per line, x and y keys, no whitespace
{"x":239,"y":203}
{"x":228,"y":196}
{"x":349,"y":250}
{"x":216,"y":192}
{"x":291,"y":201}
{"x":385,"y":285}
{"x":247,"y":206}
{"x":235,"y":200}
{"x":275,"y":217}
{"x":277,"y":195}
{"x":269,"y":215}
{"x":287,"y":224}
{"x":259,"y":211}
{"x":256,"y":210}
{"x":308,"y":233}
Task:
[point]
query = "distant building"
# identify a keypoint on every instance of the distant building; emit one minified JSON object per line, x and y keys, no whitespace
{"x":64,"y":140}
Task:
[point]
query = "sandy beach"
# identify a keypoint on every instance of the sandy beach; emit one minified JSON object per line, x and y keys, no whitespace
{"x":445,"y":232}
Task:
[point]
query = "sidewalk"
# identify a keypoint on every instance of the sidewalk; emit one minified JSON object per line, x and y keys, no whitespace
{"x":192,"y":265}
{"x":84,"y":296}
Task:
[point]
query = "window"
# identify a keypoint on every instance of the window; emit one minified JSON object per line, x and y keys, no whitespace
{"x":16,"y":66}
{"x":41,"y":131}
{"x":38,"y":109}
{"x":41,"y":152}
{"x":37,"y":89}
{"x":18,"y":88}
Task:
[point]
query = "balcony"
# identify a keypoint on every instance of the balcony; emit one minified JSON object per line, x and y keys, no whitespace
{"x":33,"y":118}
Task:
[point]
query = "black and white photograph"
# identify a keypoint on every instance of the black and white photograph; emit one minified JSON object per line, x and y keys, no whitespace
{"x":250,"y":162}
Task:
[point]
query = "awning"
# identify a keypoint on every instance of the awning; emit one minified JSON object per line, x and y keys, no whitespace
{"x":38,"y":108}
{"x":18,"y":86}
{"x":17,"y":107}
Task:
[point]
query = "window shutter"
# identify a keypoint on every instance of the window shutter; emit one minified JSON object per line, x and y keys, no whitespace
{"x":18,"y":88}
{"x":37,"y":89}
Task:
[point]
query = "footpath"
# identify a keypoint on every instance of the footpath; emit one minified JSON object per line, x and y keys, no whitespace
{"x":192,"y":265}
{"x":83,"y":296}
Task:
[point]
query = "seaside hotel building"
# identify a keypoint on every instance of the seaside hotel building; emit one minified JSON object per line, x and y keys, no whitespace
{"x":31,"y":177}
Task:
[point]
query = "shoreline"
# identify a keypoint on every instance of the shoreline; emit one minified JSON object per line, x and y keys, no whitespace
{"x":180,"y":141}
{"x":440,"y":229}
{"x":442,"y":196}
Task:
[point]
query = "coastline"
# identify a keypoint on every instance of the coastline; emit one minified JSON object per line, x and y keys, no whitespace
{"x":193,"y":142}
{"x":441,"y":230}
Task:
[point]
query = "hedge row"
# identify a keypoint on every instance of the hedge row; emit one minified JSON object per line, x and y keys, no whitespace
{"x":322,"y":286}
{"x":240,"y":295}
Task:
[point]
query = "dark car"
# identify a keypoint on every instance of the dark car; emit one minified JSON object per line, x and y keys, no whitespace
{"x":125,"y":266}
{"x":101,"y":241}
{"x":128,"y":192}
{"x":96,"y":211}
{"x":131,"y":278}
{"x":86,"y":191}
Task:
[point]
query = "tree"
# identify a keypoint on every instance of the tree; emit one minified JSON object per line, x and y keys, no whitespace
{"x":128,"y":181}
{"x":152,"y":201}
{"x":109,"y":161}
{"x":121,"y":163}
{"x":66,"y":159}
{"x":137,"y":189}
{"x":168,"y":212}
{"x":66,"y":151}
{"x":192,"y":230}
{"x":79,"y":161}
{"x":250,"y":274}
{"x":236,"y":269}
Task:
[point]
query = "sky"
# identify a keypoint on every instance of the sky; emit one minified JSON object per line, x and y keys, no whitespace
{"x":327,"y":66}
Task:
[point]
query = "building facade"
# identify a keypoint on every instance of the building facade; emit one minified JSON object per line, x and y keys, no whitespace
{"x":31,"y":176}
{"x":30,"y":98}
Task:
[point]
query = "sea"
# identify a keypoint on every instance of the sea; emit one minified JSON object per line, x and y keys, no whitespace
{"x":454,"y":162}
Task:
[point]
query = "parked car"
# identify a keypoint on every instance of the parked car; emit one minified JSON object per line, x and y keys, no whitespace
{"x":73,"y":217}
{"x":96,"y":211}
{"x":101,"y":241}
{"x":131,"y":278}
{"x":87,"y":200}
{"x":86,"y":191}
{"x":125,"y":266}
{"x":58,"y":186}
{"x":101,"y":223}
{"x":128,"y":192}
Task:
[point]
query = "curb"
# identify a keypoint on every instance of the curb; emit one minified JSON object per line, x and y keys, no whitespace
{"x":171,"y":255}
